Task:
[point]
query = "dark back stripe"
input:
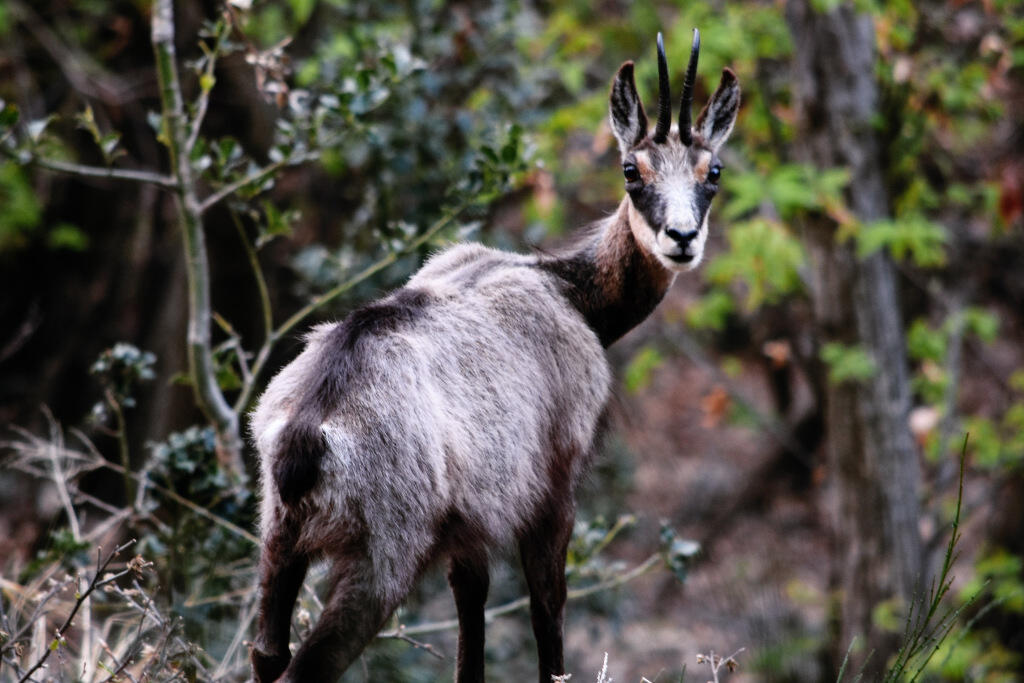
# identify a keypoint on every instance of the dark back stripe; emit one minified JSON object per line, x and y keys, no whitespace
{"x":343,"y":356}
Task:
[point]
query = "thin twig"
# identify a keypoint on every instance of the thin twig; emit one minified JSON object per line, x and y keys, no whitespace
{"x":204,"y":92}
{"x":198,"y":509}
{"x":523,"y":602}
{"x":263,"y":355}
{"x":256,"y":176}
{"x":239,"y":637}
{"x":121,"y":433}
{"x":420,"y":645}
{"x":84,"y":171}
{"x":61,"y":484}
{"x":83,"y":73}
{"x":96,"y":582}
{"x":257,"y":273}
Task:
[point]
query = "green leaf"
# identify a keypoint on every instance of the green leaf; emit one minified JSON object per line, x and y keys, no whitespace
{"x":276,"y":223}
{"x":913,"y":237}
{"x":746,"y":191}
{"x":67,"y":236}
{"x":641,"y":369}
{"x":711,"y":311}
{"x":982,"y":323}
{"x":86,"y":120}
{"x":510,"y":152}
{"x":301,"y":10}
{"x":764,"y":256}
{"x":1017,"y":380}
{"x":37,"y":127}
{"x":926,"y":343}
{"x":847,"y":363}
{"x":21,"y":210}
{"x":889,"y":615}
{"x":8,"y":114}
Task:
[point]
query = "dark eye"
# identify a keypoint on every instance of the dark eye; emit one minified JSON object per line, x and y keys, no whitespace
{"x":714,"y":174}
{"x":631,"y":172}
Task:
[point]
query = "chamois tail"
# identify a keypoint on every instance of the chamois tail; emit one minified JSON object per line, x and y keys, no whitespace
{"x":297,"y":464}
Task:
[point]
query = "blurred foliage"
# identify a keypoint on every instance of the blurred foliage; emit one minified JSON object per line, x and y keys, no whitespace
{"x":678,"y":553}
{"x":847,"y":363}
{"x":21,"y":212}
{"x":201,"y":559}
{"x":641,"y":368}
{"x":121,"y":368}
{"x":764,"y":257}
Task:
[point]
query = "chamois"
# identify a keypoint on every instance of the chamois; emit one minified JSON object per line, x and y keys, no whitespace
{"x":458,"y":413}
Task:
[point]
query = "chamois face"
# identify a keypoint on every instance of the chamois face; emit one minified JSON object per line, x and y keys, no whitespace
{"x":672,"y":174}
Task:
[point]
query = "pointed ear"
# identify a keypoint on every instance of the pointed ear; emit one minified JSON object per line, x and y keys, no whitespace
{"x":719,"y":115}
{"x":629,"y":122}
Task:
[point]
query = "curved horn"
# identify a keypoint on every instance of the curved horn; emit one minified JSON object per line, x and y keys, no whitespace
{"x":664,"y":96}
{"x":687,"y":99}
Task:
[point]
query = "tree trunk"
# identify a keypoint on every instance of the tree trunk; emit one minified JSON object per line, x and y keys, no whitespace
{"x":872,"y":455}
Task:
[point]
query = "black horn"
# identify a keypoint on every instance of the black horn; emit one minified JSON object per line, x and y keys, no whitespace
{"x":664,"y":96}
{"x":687,"y":99}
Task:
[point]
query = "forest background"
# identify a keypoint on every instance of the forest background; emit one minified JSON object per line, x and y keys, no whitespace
{"x":186,"y":188}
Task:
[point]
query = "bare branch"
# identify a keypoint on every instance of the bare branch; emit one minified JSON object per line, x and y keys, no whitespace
{"x":202,"y":370}
{"x":524,"y":602}
{"x":318,"y":301}
{"x":83,"y":73}
{"x":95,"y":583}
{"x":419,"y":645}
{"x":84,"y":171}
{"x":254,"y":177}
{"x":257,"y":273}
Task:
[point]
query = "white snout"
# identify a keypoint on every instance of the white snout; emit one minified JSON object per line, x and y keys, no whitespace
{"x":681,"y":256}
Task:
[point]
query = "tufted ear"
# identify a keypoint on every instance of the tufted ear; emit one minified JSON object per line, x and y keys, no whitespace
{"x":629,"y":122}
{"x":719,"y":115}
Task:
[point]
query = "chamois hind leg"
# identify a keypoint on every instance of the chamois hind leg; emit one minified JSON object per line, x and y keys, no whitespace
{"x":354,"y":612}
{"x":543,"y":549}
{"x":282,"y":571}
{"x":468,"y":577}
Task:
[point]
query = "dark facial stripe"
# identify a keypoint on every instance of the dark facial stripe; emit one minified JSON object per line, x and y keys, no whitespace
{"x":651,"y":205}
{"x":702,"y":196}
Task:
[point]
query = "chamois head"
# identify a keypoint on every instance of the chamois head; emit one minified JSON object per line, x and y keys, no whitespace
{"x":672,"y":174}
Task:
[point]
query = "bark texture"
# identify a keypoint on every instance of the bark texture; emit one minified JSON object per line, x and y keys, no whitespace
{"x":871,"y":452}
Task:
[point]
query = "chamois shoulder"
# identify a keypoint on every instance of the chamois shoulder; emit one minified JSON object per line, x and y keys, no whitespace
{"x":463,"y":265}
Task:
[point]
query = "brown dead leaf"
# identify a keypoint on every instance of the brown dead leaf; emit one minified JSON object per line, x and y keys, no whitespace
{"x":714,"y":405}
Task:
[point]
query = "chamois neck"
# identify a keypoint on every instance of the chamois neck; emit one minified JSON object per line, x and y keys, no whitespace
{"x":609,"y":277}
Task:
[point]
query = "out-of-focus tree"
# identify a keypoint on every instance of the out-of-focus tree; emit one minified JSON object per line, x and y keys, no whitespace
{"x":871,"y":452}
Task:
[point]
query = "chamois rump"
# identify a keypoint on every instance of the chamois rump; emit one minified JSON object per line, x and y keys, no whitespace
{"x":457,"y":414}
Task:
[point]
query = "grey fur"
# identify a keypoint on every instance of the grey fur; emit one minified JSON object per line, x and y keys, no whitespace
{"x":454,"y":416}
{"x":456,"y":413}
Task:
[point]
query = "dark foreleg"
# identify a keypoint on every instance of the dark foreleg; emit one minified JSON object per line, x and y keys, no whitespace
{"x":469,"y":581}
{"x":282,"y":571}
{"x":543,"y":550}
